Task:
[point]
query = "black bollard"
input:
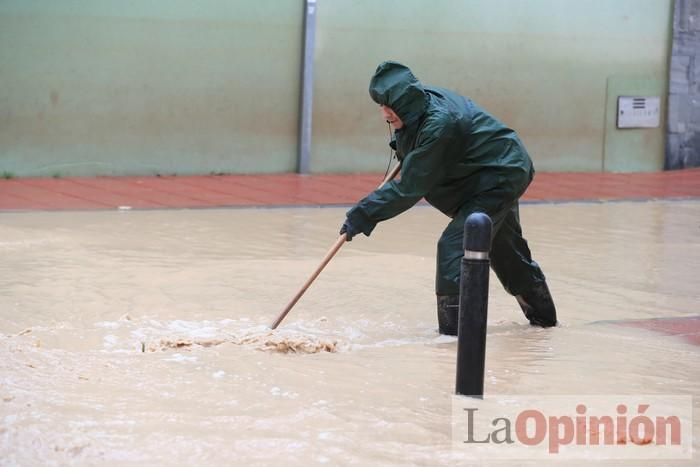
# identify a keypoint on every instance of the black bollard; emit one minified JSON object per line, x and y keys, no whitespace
{"x":473,"y":306}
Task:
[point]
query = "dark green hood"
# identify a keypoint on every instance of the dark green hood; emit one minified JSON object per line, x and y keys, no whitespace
{"x":394,"y":86}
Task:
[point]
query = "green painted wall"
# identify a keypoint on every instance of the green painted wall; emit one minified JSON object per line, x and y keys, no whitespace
{"x":542,"y":66}
{"x":117,"y":87}
{"x":176,"y":86}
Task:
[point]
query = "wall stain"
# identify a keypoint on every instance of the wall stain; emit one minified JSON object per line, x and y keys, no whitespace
{"x":54,"y":96}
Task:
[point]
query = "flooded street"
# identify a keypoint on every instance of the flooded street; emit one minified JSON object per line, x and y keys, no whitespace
{"x":141,"y":337}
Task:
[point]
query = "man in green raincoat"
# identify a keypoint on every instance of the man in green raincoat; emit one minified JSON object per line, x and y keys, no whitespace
{"x":461,"y":160}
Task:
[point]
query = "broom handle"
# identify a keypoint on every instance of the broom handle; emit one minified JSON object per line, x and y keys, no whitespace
{"x":331,"y":253}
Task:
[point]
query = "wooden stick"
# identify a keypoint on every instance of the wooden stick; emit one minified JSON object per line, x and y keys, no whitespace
{"x":331,"y":253}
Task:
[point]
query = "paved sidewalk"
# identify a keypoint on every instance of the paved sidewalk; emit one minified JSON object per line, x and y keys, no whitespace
{"x":687,"y":328}
{"x":308,"y":190}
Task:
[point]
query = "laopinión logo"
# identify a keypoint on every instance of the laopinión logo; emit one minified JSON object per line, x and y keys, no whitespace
{"x":573,"y":427}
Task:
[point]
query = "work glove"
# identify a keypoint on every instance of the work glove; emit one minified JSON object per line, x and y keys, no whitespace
{"x":349,"y":230}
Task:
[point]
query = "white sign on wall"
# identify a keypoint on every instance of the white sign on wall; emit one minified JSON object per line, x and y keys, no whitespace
{"x":638,"y":112}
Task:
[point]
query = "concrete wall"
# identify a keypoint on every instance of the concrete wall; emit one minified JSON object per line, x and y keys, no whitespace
{"x":543,"y":66}
{"x":131,"y":87}
{"x":683,"y":144}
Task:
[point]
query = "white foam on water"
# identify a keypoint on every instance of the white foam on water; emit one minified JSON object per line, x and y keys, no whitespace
{"x":14,"y":245}
{"x":277,"y":392}
{"x":195,"y":328}
{"x":110,"y":341}
{"x":298,"y":337}
{"x":178,"y":357}
{"x":444,"y":339}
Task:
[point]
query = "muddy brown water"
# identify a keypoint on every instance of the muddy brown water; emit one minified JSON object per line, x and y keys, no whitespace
{"x":140,"y":337}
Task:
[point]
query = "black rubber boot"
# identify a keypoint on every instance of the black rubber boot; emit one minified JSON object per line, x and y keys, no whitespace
{"x":538,"y":306}
{"x":448,"y":314}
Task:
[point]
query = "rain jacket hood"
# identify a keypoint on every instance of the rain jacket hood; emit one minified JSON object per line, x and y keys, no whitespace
{"x":395,"y":86}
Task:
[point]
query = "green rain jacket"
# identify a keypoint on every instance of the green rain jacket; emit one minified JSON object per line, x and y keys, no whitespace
{"x":451,"y":151}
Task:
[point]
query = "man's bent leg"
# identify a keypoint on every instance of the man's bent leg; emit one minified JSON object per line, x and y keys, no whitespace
{"x":447,"y":271}
{"x":522,"y":277}
{"x":448,"y":314}
{"x":538,"y":306}
{"x":449,"y":257}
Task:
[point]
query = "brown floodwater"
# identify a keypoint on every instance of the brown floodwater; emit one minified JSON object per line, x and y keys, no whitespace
{"x":141,"y":337}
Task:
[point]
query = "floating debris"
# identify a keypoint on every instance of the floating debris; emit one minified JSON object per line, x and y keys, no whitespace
{"x":269,"y":341}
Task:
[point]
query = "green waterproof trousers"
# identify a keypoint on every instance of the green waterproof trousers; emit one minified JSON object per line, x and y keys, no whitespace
{"x":510,"y":256}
